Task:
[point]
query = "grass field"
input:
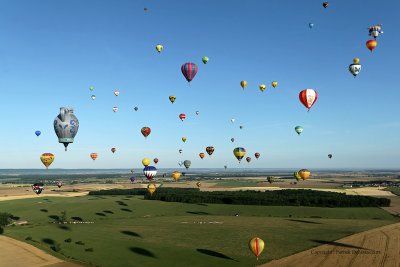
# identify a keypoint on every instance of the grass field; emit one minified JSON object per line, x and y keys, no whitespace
{"x":394,"y":190}
{"x":135,"y":232}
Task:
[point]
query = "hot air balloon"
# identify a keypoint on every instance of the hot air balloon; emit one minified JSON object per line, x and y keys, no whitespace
{"x":371,"y":44}
{"x":296,"y":175}
{"x":308,"y":97}
{"x":145,"y":9}
{"x":304,"y":174}
{"x":116,"y":92}
{"x":66,"y":126}
{"x":204,"y":59}
{"x":146,"y":162}
{"x":355,"y":68}
{"x":210,"y":150}
{"x":145,"y":131}
{"x":298,"y":129}
{"x":115,"y":109}
{"x":225,"y":167}
{"x":240,"y":127}
{"x":47,"y":159}
{"x":176,"y":175}
{"x":248,"y":159}
{"x":150,"y":172}
{"x":136,"y":108}
{"x":232,"y":139}
{"x":262,"y":87}
{"x":182,"y":116}
{"x":180,"y":163}
{"x":256,"y":246}
{"x":155,"y":160}
{"x":232,"y":120}
{"x":38,"y":133}
{"x":201,"y":155}
{"x":132,"y":170}
{"x":91,"y":88}
{"x":93,"y":97}
{"x":38,"y":188}
{"x":197,"y":112}
{"x":93,"y":156}
{"x":198,"y":184}
{"x":180,"y":151}
{"x":189,"y":70}
{"x":374,"y":31}
{"x":187,"y":164}
{"x":239,"y":153}
{"x":184,"y":139}
{"x":330,"y":156}
{"x":311,"y":25}
{"x":172,"y":98}
{"x":274,"y":84}
{"x":325,"y":4}
{"x":257,"y":155}
{"x":159,"y":48}
{"x":151,"y":188}
{"x":243,"y":84}
{"x":59,"y":184}
{"x":113,"y":150}
{"x":270,"y":179}
{"x":132,"y":179}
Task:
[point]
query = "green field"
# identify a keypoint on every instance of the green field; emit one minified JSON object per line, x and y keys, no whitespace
{"x":394,"y":190}
{"x":135,"y":232}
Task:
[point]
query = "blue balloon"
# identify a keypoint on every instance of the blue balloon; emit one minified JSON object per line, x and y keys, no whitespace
{"x":311,"y":25}
{"x":38,"y":133}
{"x":132,"y":179}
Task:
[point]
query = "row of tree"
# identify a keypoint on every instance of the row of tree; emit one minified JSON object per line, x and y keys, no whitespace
{"x":312,"y":198}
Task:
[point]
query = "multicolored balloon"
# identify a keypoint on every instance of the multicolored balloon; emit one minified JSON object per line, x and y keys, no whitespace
{"x":355,"y":68}
{"x":93,"y":97}
{"x":38,"y":188}
{"x":304,"y":174}
{"x":325,"y":4}
{"x":371,"y":44}
{"x":248,"y":159}
{"x":172,"y":98}
{"x":296,"y":175}
{"x":93,"y":156}
{"x":374,"y":31}
{"x":189,"y":70}
{"x":243,"y":84}
{"x":59,"y":184}
{"x":66,"y":126}
{"x":308,"y":97}
{"x":145,"y":131}
{"x":210,"y":150}
{"x":256,"y":246}
{"x":116,"y":92}
{"x":298,"y":129}
{"x":176,"y":176}
{"x":184,"y":139}
{"x":182,"y":116}
{"x":115,"y":109}
{"x":150,"y":172}
{"x":262,"y":87}
{"x":198,"y":184}
{"x":239,"y":153}
{"x":47,"y":159}
{"x":257,"y":155}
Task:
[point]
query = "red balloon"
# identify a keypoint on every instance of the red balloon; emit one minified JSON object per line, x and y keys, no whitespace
{"x":182,"y":116}
{"x":308,"y":97}
{"x":146,"y":131}
{"x":189,"y":70}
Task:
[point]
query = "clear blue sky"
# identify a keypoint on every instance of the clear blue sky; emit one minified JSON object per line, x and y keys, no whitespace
{"x":52,"y":51}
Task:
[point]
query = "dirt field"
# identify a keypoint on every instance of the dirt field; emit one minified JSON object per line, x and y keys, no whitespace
{"x":377,"y":247}
{"x":14,"y":253}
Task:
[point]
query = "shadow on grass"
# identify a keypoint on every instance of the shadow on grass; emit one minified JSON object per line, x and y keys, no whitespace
{"x":333,"y":243}
{"x":121,"y":203}
{"x":127,"y":210}
{"x":202,"y":204}
{"x":100,"y":214}
{"x":44,"y":210}
{"x":64,"y":227}
{"x":130,"y":233}
{"x":198,"y":212}
{"x":214,"y":254}
{"x":48,"y":241}
{"x":142,"y":251}
{"x":108,"y":211}
{"x":54,"y":217}
{"x":77,"y":218}
{"x":303,"y":221}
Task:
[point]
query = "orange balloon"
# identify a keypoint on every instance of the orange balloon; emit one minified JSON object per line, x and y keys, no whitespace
{"x":93,"y":156}
{"x":371,"y":44}
{"x":201,"y":155}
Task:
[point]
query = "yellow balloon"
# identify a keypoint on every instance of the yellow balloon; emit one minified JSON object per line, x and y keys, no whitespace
{"x":274,"y":84}
{"x":159,"y":48}
{"x":146,"y":162}
{"x":243,"y":84}
{"x":356,"y":60}
{"x":172,"y":98}
{"x":47,"y":159}
{"x":198,"y":184}
{"x":304,"y":174}
{"x":256,"y":246}
{"x":151,"y":188}
{"x":176,"y":175}
{"x":184,"y":139}
{"x":262,"y":87}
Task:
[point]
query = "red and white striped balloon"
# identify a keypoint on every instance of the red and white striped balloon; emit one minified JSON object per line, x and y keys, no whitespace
{"x":308,"y":97}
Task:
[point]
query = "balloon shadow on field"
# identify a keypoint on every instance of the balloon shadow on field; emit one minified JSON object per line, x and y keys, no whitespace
{"x":333,"y":243}
{"x":130,"y":233}
{"x":127,"y":210}
{"x":202,"y":204}
{"x":142,"y":251}
{"x":303,"y":221}
{"x":108,"y":211}
{"x":48,"y":241}
{"x":64,"y":227}
{"x":100,"y":214}
{"x":44,"y":210}
{"x":215,"y":254}
{"x":54,"y":217}
{"x":198,"y":212}
{"x":77,"y":218}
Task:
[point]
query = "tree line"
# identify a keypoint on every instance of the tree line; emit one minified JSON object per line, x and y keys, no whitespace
{"x":289,"y":197}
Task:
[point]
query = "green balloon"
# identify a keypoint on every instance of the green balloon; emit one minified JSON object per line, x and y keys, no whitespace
{"x":298,"y":129}
{"x":91,"y":88}
{"x":205,"y":59}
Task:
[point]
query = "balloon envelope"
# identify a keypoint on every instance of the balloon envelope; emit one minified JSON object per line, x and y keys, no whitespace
{"x":146,"y":162}
{"x":189,"y":70}
{"x":187,"y":164}
{"x":93,"y":156}
{"x":151,"y":188}
{"x":38,"y":188}
{"x":308,"y":97}
{"x":304,"y":174}
{"x":150,"y":172}
{"x":176,"y":175}
{"x":298,"y":129}
{"x":38,"y":133}
{"x":256,"y":246}
{"x":239,"y":153}
{"x":145,"y":131}
{"x":47,"y":159}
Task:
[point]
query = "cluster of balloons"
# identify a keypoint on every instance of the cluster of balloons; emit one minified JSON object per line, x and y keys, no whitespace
{"x":262,"y":86}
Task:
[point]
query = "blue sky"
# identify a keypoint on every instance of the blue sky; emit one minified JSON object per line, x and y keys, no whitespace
{"x":52,"y":51}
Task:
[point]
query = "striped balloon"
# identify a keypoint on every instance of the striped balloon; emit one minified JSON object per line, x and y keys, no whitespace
{"x":256,"y":245}
{"x":189,"y":70}
{"x":150,"y":172}
{"x":308,"y":97}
